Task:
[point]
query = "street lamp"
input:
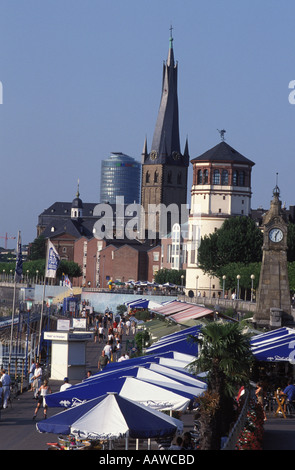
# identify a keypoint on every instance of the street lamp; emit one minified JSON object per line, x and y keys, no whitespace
{"x":223,"y":285}
{"x":182,"y":277}
{"x":238,"y":286}
{"x":252,"y":280}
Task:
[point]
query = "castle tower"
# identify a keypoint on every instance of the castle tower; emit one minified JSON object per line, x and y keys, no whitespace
{"x":221,"y":189}
{"x":164,"y":168}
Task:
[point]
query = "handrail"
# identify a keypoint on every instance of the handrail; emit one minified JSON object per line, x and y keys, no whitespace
{"x":230,"y":443}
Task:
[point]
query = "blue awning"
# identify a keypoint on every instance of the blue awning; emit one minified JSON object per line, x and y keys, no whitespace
{"x":275,"y":346}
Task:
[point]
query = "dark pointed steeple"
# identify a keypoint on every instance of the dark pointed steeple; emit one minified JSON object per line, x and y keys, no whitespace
{"x":166,"y":144}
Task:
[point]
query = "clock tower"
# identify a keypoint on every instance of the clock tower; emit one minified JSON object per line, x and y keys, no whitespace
{"x":273,"y":296}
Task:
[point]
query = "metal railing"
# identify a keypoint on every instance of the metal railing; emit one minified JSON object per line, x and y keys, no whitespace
{"x":231,"y":442}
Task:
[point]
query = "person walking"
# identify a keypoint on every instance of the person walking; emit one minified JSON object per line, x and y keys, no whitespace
{"x":100,"y":333}
{"x":6,"y":382}
{"x":103,"y":360}
{"x":37,"y":378}
{"x":43,"y":391}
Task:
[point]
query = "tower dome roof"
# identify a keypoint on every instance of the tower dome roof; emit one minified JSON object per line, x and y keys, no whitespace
{"x":77,"y":202}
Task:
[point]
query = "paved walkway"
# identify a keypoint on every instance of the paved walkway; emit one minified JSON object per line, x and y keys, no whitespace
{"x":279,"y":433}
{"x":18,"y":430}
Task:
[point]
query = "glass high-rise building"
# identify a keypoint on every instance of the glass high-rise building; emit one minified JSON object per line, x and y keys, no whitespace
{"x":120,"y":176}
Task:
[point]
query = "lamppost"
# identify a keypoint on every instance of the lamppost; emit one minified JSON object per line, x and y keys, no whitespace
{"x":182,"y":277}
{"x":238,"y":286}
{"x":223,"y":285}
{"x":252,"y":280}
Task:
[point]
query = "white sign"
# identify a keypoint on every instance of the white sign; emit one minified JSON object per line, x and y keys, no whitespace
{"x":79,"y":323}
{"x":63,"y":325}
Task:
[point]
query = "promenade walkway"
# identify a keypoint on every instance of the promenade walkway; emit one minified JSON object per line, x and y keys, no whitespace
{"x":18,"y":430}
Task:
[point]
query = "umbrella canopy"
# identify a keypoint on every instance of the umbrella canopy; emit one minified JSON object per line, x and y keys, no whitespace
{"x":182,"y":345}
{"x":157,"y":397}
{"x":177,"y":375}
{"x":111,"y":416}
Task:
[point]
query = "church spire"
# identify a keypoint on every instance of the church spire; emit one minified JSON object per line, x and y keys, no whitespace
{"x":166,"y":142}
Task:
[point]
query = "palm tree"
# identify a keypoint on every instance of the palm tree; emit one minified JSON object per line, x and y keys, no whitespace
{"x":226,"y":355}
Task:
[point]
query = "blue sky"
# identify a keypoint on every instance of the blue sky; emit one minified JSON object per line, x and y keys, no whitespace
{"x":82,"y":79}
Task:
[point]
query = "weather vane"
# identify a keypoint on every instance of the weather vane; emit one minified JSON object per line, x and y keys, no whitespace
{"x":222,"y":134}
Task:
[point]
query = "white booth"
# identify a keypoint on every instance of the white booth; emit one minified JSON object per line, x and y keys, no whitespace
{"x":68,"y":352}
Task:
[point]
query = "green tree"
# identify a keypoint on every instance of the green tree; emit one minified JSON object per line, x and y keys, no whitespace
{"x":70,"y":268}
{"x":232,"y":270}
{"x":225,"y":354}
{"x":142,"y":339}
{"x":170,"y":275}
{"x":238,"y":240}
{"x":38,"y":249}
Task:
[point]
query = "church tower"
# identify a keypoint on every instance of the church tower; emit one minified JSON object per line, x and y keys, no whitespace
{"x":164,"y":168}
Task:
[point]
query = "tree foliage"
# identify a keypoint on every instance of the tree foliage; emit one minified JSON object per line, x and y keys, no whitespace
{"x":170,"y":275}
{"x":38,"y":249}
{"x":238,"y":240}
{"x":226,"y":355}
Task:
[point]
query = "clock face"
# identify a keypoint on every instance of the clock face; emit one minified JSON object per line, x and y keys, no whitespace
{"x":153,"y":155}
{"x":176,"y":155}
{"x":276,"y":235}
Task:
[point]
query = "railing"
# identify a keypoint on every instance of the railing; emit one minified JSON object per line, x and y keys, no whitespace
{"x":230,"y":443}
{"x":237,"y":304}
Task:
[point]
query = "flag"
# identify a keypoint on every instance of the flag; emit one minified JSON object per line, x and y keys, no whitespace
{"x":19,"y":260}
{"x":67,"y":282}
{"x":52,"y":261}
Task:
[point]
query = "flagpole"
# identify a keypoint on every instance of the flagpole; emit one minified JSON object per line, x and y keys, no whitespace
{"x":52,"y":263}
{"x":41,"y":318}
{"x":42,"y":305}
{"x":13,"y":306}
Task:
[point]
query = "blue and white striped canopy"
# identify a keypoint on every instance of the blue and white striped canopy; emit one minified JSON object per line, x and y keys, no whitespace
{"x":275,"y":346}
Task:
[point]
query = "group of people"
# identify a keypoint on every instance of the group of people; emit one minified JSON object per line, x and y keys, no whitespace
{"x":107,"y":325}
{"x":184,"y":442}
{"x":287,"y":392}
{"x":109,"y":331}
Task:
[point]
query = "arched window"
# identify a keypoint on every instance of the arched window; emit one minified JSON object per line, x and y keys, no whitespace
{"x":179,"y":178}
{"x":169,"y":177}
{"x":241,"y":178}
{"x":235,"y":178}
{"x":206,"y":177}
{"x":200,"y":177}
{"x":224,"y":177}
{"x":216,"y":177}
{"x":156,"y":177}
{"x":147,"y":177}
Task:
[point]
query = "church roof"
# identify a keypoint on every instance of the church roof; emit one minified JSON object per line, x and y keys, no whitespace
{"x":223,"y":152}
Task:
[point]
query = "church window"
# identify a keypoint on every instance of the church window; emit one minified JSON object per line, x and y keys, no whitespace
{"x":216,"y":177}
{"x":179,"y":178}
{"x":206,"y":177}
{"x":147,"y":177}
{"x":200,"y":177}
{"x":169,"y":177}
{"x":235,"y":178}
{"x":224,"y":177}
{"x":156,"y":177}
